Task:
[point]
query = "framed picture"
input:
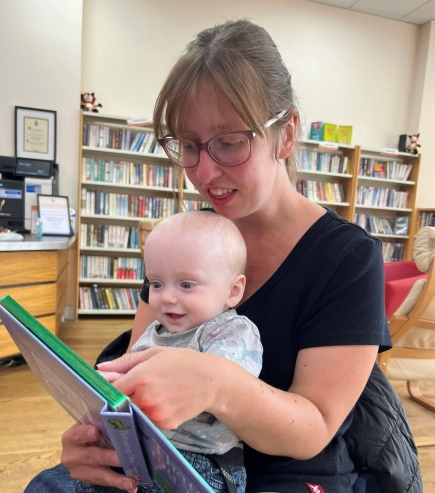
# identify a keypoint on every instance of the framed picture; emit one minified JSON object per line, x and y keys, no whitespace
{"x":35,"y":133}
{"x":53,"y":210}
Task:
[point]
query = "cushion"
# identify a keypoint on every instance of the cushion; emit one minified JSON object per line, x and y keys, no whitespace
{"x":424,"y":250}
{"x":412,"y":298}
{"x":411,"y":369}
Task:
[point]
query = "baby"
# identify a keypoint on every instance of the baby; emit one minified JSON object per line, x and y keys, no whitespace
{"x":195,"y":263}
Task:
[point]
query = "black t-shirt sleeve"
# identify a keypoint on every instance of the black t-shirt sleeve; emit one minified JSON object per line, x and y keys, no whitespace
{"x":350,"y":308}
{"x":145,"y":291}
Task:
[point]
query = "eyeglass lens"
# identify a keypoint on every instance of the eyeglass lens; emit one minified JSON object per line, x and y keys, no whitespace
{"x":228,"y":149}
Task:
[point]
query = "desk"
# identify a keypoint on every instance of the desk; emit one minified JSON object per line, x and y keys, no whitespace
{"x":35,"y":273}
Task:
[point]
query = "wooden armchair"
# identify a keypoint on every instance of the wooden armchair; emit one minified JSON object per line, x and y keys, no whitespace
{"x":412,"y":327}
{"x":144,"y":229}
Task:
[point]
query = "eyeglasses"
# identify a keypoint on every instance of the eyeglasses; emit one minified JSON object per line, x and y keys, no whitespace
{"x":230,"y":149}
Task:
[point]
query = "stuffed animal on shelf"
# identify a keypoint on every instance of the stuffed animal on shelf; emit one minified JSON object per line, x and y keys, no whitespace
{"x":88,"y":102}
{"x":413,"y":144}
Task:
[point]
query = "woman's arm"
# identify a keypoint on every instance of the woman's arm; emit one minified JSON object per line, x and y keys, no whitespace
{"x":173,"y":385}
{"x":301,"y":422}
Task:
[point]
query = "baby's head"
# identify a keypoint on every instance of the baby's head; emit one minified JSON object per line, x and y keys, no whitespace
{"x":195,"y":264}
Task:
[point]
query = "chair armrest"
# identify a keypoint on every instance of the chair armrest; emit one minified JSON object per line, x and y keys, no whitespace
{"x":400,"y":270}
{"x":397,"y":290}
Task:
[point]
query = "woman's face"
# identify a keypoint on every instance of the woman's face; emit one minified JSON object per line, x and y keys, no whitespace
{"x":233,"y":191}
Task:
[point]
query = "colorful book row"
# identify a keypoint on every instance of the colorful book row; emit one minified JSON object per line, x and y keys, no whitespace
{"x":124,"y":173}
{"x":392,"y":252}
{"x":427,"y":219}
{"x":108,"y":236}
{"x":99,"y":267}
{"x":96,"y":202}
{"x":381,"y":197}
{"x":100,"y":298}
{"x":323,"y":161}
{"x":390,"y":170}
{"x":125,"y":139}
{"x":383,"y":225}
{"x":321,"y":191}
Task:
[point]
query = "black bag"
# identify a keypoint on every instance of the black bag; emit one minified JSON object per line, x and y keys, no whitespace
{"x":380,"y":440}
{"x":116,"y":348}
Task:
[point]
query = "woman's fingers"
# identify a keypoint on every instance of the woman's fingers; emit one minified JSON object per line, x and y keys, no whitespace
{"x":89,"y":462}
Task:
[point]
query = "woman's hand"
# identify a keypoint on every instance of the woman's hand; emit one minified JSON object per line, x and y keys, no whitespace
{"x":171,"y":385}
{"x":89,"y":462}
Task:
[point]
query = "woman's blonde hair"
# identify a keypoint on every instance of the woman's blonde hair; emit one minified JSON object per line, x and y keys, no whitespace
{"x":240,"y":61}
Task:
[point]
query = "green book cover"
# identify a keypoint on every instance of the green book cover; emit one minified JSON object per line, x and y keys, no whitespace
{"x":145,"y":453}
{"x":112,"y":395}
{"x":344,"y":134}
{"x":329,"y":132}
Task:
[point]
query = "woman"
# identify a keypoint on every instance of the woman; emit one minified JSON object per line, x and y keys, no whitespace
{"x":227,"y":114}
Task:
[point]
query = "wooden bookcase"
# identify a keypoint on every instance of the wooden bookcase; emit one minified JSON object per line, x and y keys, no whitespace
{"x":423,"y":217}
{"x":327,"y":175}
{"x":119,"y":188}
{"x":378,"y":190}
{"x":385,"y":195}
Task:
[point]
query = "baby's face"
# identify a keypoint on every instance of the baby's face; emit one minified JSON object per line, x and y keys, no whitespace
{"x":189,"y":284}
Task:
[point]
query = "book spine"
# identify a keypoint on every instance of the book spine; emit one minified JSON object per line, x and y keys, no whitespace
{"x":122,"y":432}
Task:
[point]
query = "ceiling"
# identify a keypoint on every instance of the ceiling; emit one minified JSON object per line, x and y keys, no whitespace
{"x":413,"y":11}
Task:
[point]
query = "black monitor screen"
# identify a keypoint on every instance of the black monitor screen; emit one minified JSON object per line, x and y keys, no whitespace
{"x":33,"y":167}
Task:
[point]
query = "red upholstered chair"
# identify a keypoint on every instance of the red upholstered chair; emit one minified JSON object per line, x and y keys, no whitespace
{"x":399,"y":279}
{"x":412,"y":329}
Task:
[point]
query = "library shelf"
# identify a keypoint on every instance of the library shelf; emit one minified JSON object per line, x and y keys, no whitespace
{"x":125,"y":179}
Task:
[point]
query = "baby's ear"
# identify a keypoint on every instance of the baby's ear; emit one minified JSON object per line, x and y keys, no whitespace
{"x":236,"y":291}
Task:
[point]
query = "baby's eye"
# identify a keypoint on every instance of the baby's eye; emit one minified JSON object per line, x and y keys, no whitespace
{"x":155,"y":285}
{"x":187,"y":285}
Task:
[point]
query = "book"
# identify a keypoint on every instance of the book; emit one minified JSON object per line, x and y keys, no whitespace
{"x":401,"y":225}
{"x":329,"y":132}
{"x":344,"y":134}
{"x":145,"y":453}
{"x":316,"y":132}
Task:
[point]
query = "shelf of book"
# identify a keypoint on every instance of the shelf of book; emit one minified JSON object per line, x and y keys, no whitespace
{"x":125,"y":178}
{"x":385,"y":199}
{"x":327,"y":174}
{"x":111,"y":312}
{"x":424,"y":217}
{"x":374,"y":188}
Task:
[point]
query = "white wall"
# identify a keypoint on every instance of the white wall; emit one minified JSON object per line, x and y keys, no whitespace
{"x":426,"y":126}
{"x":347,"y":67}
{"x":40,"y":60}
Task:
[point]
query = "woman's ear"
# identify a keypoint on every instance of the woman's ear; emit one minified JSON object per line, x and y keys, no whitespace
{"x":288,"y":134}
{"x":236,"y":291}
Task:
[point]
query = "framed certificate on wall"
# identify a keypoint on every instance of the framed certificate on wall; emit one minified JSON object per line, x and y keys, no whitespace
{"x":35,"y":133}
{"x":53,"y":211}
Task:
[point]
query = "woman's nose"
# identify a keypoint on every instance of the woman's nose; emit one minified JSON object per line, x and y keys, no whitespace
{"x":207,"y":168}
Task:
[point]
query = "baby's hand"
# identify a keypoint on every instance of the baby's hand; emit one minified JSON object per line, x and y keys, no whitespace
{"x":111,"y":376}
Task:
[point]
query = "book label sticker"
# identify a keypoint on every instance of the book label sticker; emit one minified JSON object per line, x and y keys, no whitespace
{"x":328,"y":145}
{"x":387,"y":151}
